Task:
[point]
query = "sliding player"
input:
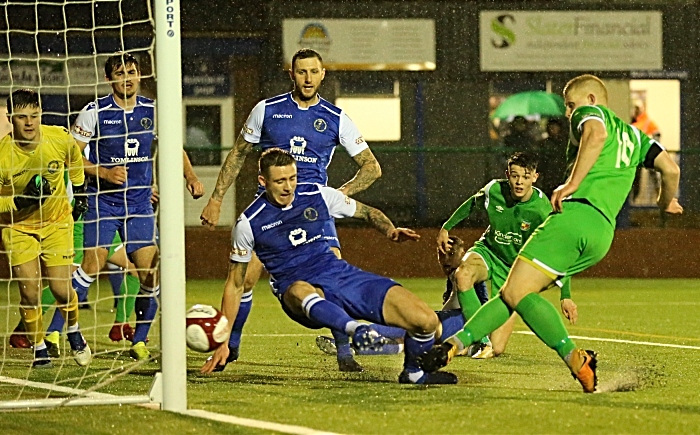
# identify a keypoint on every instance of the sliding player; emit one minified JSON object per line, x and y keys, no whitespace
{"x":285,"y":226}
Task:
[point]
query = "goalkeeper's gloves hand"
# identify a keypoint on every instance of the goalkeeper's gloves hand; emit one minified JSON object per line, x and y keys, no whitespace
{"x":36,"y":191}
{"x":80,"y":204}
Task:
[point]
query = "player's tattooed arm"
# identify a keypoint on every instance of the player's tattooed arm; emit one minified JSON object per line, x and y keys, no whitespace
{"x":227,"y":175}
{"x":231,"y":167}
{"x":368,"y":173}
{"x":382,"y":223}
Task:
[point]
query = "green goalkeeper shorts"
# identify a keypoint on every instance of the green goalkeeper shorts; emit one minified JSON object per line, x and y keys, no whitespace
{"x":498,"y":270}
{"x":569,"y":242}
{"x":78,"y":243}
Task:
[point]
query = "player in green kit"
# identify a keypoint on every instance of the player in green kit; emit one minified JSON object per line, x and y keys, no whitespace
{"x":603,"y":154}
{"x":515,"y":208}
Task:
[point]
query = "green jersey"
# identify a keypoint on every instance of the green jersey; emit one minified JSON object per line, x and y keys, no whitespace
{"x":649,"y":150}
{"x":609,"y":181}
{"x":511,"y":222}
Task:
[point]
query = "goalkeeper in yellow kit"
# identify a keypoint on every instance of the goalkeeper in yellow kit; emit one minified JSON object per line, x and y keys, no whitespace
{"x":36,"y":217}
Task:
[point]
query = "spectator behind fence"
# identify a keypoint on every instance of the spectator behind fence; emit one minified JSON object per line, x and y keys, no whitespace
{"x":519,"y":138}
{"x":551,"y":151}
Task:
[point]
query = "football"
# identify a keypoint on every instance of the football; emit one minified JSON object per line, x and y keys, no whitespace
{"x":207,"y":328}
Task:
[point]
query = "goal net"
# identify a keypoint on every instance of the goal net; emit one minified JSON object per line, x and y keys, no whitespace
{"x":58,"y":49}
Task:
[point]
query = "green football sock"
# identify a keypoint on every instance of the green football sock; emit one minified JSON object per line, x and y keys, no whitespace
{"x":129,"y":289}
{"x":490,"y":316}
{"x":469,"y":302}
{"x":47,"y":299}
{"x":544,"y":320}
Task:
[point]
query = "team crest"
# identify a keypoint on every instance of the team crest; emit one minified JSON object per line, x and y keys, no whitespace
{"x":297,"y":237}
{"x":320,"y":125}
{"x":297,"y":145}
{"x":146,"y":123}
{"x":54,"y":166}
{"x":311,"y":214}
{"x":524,"y":225}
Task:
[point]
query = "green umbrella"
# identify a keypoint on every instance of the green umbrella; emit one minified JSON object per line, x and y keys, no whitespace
{"x":530,"y":103}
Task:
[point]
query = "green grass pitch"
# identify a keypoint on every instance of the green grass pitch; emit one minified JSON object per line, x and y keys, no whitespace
{"x":282,"y":377}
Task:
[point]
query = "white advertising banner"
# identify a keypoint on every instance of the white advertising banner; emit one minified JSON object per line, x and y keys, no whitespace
{"x":52,"y":75}
{"x":363,"y":44}
{"x":570,"y":41}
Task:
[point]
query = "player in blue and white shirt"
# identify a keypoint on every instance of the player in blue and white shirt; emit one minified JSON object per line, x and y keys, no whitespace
{"x":285,"y":227}
{"x":120,"y":131}
{"x":310,"y":128}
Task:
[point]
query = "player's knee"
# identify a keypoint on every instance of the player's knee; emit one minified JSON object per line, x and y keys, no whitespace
{"x":465,"y":278}
{"x":299,"y":290}
{"x":509,"y":295}
{"x":147,"y":277}
{"x":424,"y":321}
{"x":248,"y":284}
{"x":498,"y":348}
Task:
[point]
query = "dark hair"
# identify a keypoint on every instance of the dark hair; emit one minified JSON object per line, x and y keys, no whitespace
{"x":117,"y":60}
{"x":523,"y":160}
{"x":555,"y":121}
{"x":22,"y":98}
{"x":306,"y":53}
{"x":456,"y":243}
{"x":274,"y":157}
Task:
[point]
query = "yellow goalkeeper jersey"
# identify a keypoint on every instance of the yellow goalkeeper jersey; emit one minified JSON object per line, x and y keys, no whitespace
{"x":55,"y":153}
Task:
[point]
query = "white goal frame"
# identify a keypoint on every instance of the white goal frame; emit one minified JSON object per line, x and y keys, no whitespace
{"x":172,"y":205}
{"x":169,"y":388}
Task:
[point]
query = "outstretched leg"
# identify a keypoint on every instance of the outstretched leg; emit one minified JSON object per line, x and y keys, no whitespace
{"x":405,"y":310}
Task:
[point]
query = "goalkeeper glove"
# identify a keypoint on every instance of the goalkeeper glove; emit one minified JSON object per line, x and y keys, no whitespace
{"x":36,"y":191}
{"x":80,"y":204}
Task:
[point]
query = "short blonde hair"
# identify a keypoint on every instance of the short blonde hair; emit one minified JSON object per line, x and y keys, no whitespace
{"x":590,"y":83}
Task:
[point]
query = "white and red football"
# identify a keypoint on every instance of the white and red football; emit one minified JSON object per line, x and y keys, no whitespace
{"x":207,"y":328}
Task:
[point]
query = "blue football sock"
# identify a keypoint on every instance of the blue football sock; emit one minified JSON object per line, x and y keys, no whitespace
{"x":342,"y":344}
{"x":415,"y":346}
{"x":241,"y":317}
{"x":57,"y":322}
{"x":452,"y":322}
{"x":145,"y":307}
{"x":327,"y":314}
{"x":81,"y":283}
{"x":391,"y":332}
{"x":115,"y":279}
{"x":387,"y":349}
{"x":481,"y":292}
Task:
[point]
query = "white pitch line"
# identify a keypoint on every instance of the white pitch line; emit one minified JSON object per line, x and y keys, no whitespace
{"x":257,"y":424}
{"x":118,"y":400}
{"x":668,"y":303}
{"x":615,"y":340}
{"x":50,"y":387}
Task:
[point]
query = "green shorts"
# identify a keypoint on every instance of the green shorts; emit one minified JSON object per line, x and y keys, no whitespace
{"x":569,"y":242}
{"x":78,"y":243}
{"x":497,"y":269}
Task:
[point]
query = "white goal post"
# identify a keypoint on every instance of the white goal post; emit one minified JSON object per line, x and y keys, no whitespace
{"x":172,"y":208}
{"x":28,"y":68}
